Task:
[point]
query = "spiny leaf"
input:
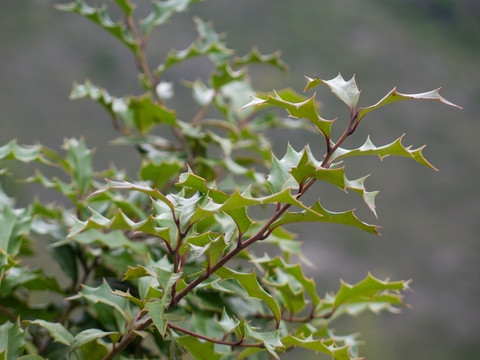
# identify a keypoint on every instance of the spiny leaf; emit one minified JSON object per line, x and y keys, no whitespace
{"x":209,"y":245}
{"x":25,"y":153}
{"x":160,"y":173}
{"x":294,"y":270}
{"x":394,"y":148}
{"x":147,"y":113}
{"x":162,"y":11}
{"x":80,"y":159}
{"x":359,"y":187}
{"x":224,"y":74}
{"x":156,"y":308}
{"x":305,"y":110}
{"x":338,"y":353}
{"x":394,"y":96}
{"x":318,"y":213}
{"x":101,"y":18}
{"x":104,"y":294}
{"x":12,"y":340}
{"x":252,"y":287}
{"x":346,"y":91}
{"x":119,"y":222}
{"x":126,"y":6}
{"x":117,"y":107}
{"x":125,"y":185}
{"x":15,"y":224}
{"x":256,"y":57}
{"x":87,"y":336}
{"x":56,"y":330}
{"x":196,"y":49}
{"x":114,"y":239}
{"x":366,"y":289}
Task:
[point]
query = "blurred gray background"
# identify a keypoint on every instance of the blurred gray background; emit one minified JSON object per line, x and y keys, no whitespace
{"x":430,"y":220}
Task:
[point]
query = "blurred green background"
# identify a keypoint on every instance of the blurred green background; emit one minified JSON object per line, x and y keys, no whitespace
{"x":430,"y":221}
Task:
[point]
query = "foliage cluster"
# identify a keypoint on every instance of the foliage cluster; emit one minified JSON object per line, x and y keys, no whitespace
{"x":162,"y":265}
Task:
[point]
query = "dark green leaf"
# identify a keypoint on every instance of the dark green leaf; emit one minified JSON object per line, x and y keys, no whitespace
{"x":147,"y":113}
{"x":202,"y":350}
{"x":252,"y":287}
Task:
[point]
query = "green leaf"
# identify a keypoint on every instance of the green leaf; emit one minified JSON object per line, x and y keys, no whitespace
{"x":201,"y":350}
{"x":346,"y":91}
{"x":24,"y":153}
{"x":198,"y":48}
{"x":87,"y":336}
{"x":252,"y":287}
{"x":295,"y":271}
{"x":80,"y":159}
{"x":305,"y":110}
{"x":162,"y":11}
{"x":112,"y":240}
{"x":125,"y":185}
{"x":394,"y":148}
{"x":319,"y":214}
{"x":15,"y":224}
{"x":147,"y":113}
{"x":117,"y":107}
{"x":366,"y":289}
{"x":56,"y":330}
{"x":100,"y":17}
{"x":394,"y":96}
{"x":225,"y":74}
{"x":126,"y":6}
{"x":156,"y":308}
{"x":254,"y":57}
{"x":12,"y":340}
{"x":104,"y":294}
{"x":318,"y":345}
{"x":270,"y":339}
{"x":209,"y":244}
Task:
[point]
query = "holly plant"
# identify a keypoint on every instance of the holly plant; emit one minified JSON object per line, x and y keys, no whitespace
{"x":163,"y":263}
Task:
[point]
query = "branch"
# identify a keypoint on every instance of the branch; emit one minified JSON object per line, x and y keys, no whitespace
{"x":216,"y":341}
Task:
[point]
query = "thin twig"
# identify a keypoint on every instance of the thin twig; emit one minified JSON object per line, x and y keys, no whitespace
{"x":216,"y":341}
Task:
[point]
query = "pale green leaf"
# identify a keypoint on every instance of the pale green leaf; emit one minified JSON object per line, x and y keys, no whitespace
{"x":305,"y":110}
{"x":394,"y":148}
{"x":80,"y":159}
{"x":162,"y":11}
{"x":12,"y":340}
{"x":394,"y":96}
{"x":100,"y":17}
{"x":25,"y":153}
{"x":254,"y":57}
{"x":318,"y":213}
{"x":87,"y":336}
{"x":56,"y":330}
{"x":346,"y":91}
